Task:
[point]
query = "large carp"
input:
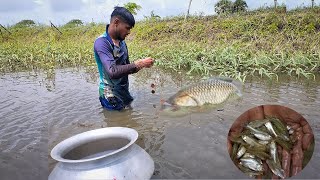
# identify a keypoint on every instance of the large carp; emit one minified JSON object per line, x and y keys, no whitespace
{"x":213,"y":91}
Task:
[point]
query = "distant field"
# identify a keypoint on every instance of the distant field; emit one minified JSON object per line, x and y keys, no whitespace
{"x":260,"y":43}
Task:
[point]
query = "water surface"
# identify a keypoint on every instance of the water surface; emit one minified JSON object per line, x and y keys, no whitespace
{"x":37,"y":113}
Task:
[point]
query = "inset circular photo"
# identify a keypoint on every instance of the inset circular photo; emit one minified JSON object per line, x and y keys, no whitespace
{"x":270,"y":142}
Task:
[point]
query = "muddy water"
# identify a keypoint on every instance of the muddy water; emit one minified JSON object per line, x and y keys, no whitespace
{"x":37,"y":113}
{"x":23,"y":125}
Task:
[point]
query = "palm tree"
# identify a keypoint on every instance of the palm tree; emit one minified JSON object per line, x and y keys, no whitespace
{"x":275,"y":3}
{"x":312,"y":3}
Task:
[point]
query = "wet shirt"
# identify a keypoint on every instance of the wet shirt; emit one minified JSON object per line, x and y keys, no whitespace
{"x":114,"y":67}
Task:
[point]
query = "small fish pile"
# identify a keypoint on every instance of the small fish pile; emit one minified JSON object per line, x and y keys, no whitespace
{"x":256,"y":148}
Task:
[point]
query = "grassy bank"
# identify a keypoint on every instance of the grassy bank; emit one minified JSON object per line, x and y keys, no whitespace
{"x":260,"y":43}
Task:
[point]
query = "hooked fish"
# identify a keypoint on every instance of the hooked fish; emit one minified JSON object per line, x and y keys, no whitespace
{"x":213,"y":91}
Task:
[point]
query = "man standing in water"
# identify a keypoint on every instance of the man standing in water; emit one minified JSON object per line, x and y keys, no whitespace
{"x":111,"y":55}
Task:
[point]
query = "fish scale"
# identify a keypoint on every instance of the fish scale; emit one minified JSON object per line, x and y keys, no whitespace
{"x":208,"y":92}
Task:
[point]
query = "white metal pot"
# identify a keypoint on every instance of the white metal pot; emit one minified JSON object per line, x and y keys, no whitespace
{"x":106,"y":153}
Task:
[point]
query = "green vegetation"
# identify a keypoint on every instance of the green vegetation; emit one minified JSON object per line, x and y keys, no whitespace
{"x":73,"y":23}
{"x":223,"y":7}
{"x":239,"y":6}
{"x":132,"y":7}
{"x":25,"y":23}
{"x":227,"y":6}
{"x":263,"y":43}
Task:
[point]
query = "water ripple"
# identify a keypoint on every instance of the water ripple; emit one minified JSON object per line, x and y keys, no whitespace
{"x":34,"y":119}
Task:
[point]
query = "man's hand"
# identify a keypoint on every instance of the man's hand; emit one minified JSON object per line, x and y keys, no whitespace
{"x":144,"y":63}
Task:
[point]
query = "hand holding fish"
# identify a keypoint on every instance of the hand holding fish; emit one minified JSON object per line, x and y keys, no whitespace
{"x":288,"y":129}
{"x":302,"y":135}
{"x":144,"y":63}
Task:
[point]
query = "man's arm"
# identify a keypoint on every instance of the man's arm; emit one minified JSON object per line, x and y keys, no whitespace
{"x":105,"y":53}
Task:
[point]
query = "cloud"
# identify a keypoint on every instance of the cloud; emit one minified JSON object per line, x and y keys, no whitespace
{"x":62,"y":11}
{"x":99,"y":1}
{"x":40,"y":2}
{"x":254,"y":4}
{"x":37,"y":10}
{"x":291,"y":4}
{"x":65,"y":5}
{"x":17,"y":5}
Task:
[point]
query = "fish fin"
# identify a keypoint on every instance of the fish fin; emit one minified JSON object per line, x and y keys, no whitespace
{"x":226,"y":79}
{"x":237,"y":83}
{"x":195,"y":100}
{"x":185,"y":96}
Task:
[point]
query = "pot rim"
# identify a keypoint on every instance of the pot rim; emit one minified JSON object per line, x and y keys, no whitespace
{"x":77,"y":140}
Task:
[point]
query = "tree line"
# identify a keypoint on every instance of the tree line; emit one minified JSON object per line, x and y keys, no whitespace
{"x":227,"y":6}
{"x":221,"y":7}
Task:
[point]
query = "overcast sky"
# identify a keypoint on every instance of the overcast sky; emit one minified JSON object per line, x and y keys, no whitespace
{"x":62,"y":11}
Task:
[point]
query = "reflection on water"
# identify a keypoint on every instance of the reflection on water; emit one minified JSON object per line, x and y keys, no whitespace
{"x":192,"y":146}
{"x":23,"y":126}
